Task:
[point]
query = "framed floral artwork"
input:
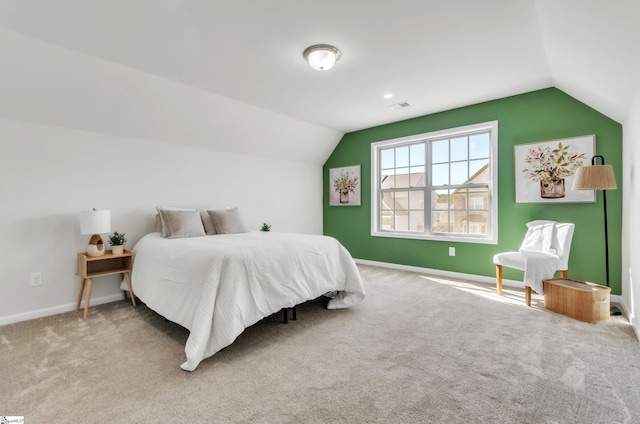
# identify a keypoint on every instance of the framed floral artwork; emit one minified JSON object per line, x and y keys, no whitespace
{"x":544,"y":171}
{"x":344,"y":186}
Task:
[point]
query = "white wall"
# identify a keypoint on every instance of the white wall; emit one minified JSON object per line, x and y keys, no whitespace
{"x":78,"y":132}
{"x":49,"y":174}
{"x":631,"y":224}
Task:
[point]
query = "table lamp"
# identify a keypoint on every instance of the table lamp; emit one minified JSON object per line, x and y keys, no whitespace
{"x":95,"y":222}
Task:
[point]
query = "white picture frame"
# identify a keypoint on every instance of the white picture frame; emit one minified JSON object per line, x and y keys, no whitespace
{"x":558,"y":159}
{"x":344,"y":186}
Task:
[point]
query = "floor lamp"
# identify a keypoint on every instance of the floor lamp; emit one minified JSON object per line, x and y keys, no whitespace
{"x":598,"y":177}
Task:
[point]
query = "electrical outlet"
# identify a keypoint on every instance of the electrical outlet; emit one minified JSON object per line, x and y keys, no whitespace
{"x":452,"y":251}
{"x":36,"y":279}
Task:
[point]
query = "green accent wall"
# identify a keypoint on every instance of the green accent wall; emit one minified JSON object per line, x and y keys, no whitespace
{"x":537,"y":116}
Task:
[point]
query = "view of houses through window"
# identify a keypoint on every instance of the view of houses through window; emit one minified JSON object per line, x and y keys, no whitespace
{"x":439,"y":185}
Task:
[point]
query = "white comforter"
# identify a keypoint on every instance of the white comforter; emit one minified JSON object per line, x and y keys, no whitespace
{"x":216,"y":286}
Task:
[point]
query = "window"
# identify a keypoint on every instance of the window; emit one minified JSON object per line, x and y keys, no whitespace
{"x":437,"y":186}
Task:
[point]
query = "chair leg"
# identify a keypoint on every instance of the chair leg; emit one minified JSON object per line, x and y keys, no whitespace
{"x":527,"y":295}
{"x":499,"y":279}
{"x":564,"y":274}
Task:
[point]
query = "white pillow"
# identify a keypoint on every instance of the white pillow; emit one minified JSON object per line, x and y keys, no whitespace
{"x":180,"y":224}
{"x":209,"y":228}
{"x":228,"y":222}
{"x":158,"y":224}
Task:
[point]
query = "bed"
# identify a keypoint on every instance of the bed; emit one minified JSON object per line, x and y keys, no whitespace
{"x":218,"y":285}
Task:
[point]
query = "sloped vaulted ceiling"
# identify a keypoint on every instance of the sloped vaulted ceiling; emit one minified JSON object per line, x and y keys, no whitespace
{"x":229,"y":74}
{"x":591,"y":49}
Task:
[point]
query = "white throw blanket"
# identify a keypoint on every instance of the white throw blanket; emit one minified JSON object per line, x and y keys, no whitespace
{"x":541,"y":259}
{"x":539,"y":266}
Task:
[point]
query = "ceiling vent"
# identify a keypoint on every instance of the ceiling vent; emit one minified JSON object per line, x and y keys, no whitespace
{"x":400,"y":105}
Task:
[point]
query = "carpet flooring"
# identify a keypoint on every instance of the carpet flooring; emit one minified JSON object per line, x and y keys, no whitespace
{"x":419,"y":349}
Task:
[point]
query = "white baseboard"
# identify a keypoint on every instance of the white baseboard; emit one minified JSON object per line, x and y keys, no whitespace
{"x":56,"y":310}
{"x":442,"y":273}
{"x":625,"y":311}
{"x":472,"y":277}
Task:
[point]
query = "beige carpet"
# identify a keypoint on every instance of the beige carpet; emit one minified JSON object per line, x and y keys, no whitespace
{"x":418,"y":350}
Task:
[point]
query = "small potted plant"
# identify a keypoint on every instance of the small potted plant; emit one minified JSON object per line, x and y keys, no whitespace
{"x":265,"y":227}
{"x":117,"y":241}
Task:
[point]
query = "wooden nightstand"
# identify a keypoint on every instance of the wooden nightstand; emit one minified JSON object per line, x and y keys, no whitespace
{"x":90,"y":267}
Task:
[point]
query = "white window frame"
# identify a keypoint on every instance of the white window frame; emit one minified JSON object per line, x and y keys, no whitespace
{"x":490,"y":238}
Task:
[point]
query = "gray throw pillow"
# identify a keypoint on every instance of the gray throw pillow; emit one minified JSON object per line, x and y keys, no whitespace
{"x":228,"y":222}
{"x":179,"y":224}
{"x":163,"y":226}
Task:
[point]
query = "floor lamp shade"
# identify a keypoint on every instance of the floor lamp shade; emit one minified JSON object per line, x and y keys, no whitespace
{"x":595,"y":177}
{"x":95,"y":222}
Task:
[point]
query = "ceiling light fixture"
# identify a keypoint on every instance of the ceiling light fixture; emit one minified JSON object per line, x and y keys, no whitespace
{"x":321,"y":57}
{"x":388,"y":96}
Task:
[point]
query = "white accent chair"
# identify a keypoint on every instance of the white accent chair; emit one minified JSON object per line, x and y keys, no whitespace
{"x":561,"y":243}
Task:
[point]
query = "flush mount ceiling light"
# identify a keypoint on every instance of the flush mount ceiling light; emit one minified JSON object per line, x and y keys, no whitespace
{"x":321,"y":57}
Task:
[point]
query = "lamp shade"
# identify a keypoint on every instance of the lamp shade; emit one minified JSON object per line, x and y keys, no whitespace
{"x":594,"y":177}
{"x":95,"y":222}
{"x":321,"y":57}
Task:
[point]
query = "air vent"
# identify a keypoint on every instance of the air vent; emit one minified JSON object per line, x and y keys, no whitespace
{"x":400,"y":105}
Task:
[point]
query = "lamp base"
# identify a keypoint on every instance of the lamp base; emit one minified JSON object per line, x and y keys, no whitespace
{"x":96,"y":246}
